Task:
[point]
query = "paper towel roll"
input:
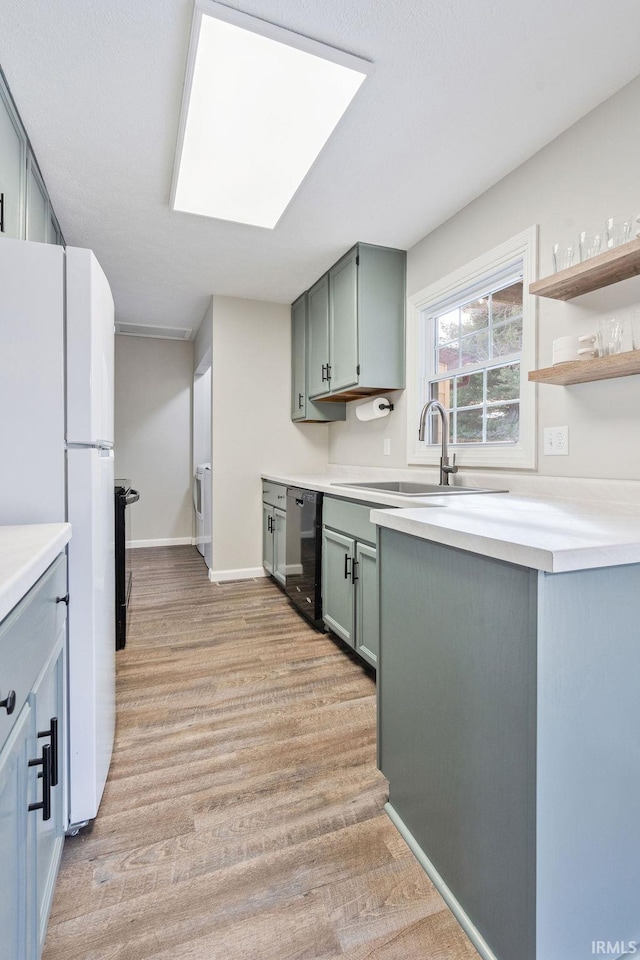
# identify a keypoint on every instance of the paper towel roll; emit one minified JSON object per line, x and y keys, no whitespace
{"x":373,"y":409}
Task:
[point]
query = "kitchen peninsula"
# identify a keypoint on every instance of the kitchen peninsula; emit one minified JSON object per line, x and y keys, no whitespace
{"x":507,"y":715}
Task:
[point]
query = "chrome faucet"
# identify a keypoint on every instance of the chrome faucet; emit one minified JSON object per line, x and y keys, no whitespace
{"x":445,"y":467}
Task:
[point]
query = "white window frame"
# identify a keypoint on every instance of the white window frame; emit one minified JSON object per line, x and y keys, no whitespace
{"x":520,"y":455}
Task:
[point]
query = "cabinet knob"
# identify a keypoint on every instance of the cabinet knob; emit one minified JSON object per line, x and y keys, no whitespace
{"x":64,"y":599}
{"x":9,"y":702}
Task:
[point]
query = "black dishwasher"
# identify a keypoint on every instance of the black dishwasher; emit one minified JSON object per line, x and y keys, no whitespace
{"x":303,"y":555}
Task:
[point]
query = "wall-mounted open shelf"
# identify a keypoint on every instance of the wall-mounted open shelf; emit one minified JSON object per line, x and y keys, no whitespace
{"x":583,"y":371}
{"x":609,"y":267}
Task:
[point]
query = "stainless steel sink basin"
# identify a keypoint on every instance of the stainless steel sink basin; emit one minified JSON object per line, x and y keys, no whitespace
{"x":409,"y":488}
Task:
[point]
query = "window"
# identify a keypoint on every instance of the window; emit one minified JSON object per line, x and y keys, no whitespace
{"x":471,"y":344}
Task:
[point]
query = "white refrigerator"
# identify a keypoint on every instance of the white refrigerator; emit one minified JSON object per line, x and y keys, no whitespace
{"x":56,"y":449}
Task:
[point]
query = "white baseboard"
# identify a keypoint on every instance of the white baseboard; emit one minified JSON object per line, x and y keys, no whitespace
{"x":169,"y":542}
{"x":459,"y":913}
{"x":244,"y":573}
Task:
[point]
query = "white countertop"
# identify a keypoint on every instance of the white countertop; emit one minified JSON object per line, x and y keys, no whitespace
{"x":26,"y":550}
{"x":542,"y":533}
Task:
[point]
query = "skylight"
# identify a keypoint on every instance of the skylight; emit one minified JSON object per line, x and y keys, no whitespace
{"x":260,"y":103}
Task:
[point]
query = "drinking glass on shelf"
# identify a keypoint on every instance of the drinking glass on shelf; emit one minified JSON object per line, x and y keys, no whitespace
{"x":609,"y":336}
{"x":618,"y":230}
{"x":563,"y":256}
{"x":589,"y":245}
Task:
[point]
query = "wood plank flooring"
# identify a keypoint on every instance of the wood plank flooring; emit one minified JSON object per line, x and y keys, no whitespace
{"x":242,"y":819}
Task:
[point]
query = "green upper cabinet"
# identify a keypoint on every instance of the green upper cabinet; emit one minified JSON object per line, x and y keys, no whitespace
{"x":38,"y":216}
{"x":343,"y":322}
{"x":298,"y":346}
{"x":356,"y":325}
{"x":318,"y":334}
{"x":302,"y":408}
{"x":25,"y":207}
{"x":13,"y":158}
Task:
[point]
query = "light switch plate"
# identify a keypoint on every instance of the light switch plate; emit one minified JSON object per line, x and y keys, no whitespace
{"x":386,"y":447}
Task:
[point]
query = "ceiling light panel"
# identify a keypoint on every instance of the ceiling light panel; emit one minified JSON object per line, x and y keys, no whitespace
{"x":259,"y":105}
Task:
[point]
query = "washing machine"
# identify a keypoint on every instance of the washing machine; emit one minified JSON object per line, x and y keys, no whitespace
{"x":206,"y":516}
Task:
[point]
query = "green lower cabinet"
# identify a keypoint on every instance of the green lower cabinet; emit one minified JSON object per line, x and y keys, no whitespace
{"x":274,"y":535}
{"x":47,"y":699}
{"x":33,"y":762}
{"x":367,"y":603}
{"x":16,"y":843}
{"x":508,"y":730}
{"x":338,"y":600}
{"x":279,"y":545}
{"x":267,"y":538}
{"x":350,"y":592}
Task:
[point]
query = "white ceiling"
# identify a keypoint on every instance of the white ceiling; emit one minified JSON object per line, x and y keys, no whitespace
{"x":463,"y":91}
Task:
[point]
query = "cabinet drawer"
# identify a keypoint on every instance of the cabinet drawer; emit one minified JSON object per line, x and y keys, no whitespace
{"x":27,"y":636}
{"x":351,"y":518}
{"x":274,"y":494}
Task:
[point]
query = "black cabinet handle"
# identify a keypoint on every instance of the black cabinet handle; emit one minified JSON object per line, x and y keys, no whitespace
{"x":299,"y":502}
{"x":269,"y":524}
{"x":324,"y":371}
{"x":64,"y":599}
{"x":354,"y":567}
{"x":9,"y":702}
{"x":45,"y":762}
{"x":53,"y":733}
{"x":347,"y":568}
{"x":1,"y":212}
{"x":300,"y":399}
{"x":328,"y":371}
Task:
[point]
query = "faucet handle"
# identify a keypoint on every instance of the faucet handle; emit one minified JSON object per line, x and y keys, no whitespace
{"x":449,"y":467}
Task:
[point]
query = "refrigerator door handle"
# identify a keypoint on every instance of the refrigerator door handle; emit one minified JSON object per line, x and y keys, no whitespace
{"x":89,"y":445}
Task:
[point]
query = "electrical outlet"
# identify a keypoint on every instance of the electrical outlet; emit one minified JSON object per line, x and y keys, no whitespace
{"x":386,"y":447}
{"x":556,"y":441}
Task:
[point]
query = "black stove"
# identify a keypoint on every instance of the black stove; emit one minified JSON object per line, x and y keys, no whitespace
{"x":124,"y":496}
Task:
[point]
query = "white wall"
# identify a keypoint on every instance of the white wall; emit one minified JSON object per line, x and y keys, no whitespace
{"x":251,"y":427}
{"x":588,"y":173}
{"x":153,"y":434}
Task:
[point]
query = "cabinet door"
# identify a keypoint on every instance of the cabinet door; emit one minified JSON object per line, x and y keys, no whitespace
{"x":298,"y":348}
{"x":267,"y":538}
{"x":318,"y":331}
{"x":37,"y":206}
{"x":47,"y":702}
{"x":279,"y":545}
{"x":12,"y":171}
{"x":343,"y":313}
{"x":16,"y":842}
{"x":367,"y":603}
{"x":338,"y":607}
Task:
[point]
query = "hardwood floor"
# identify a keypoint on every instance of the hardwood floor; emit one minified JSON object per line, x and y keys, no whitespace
{"x":242,"y":819}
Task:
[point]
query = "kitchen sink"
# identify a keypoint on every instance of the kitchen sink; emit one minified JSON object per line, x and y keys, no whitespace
{"x":409,"y":488}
